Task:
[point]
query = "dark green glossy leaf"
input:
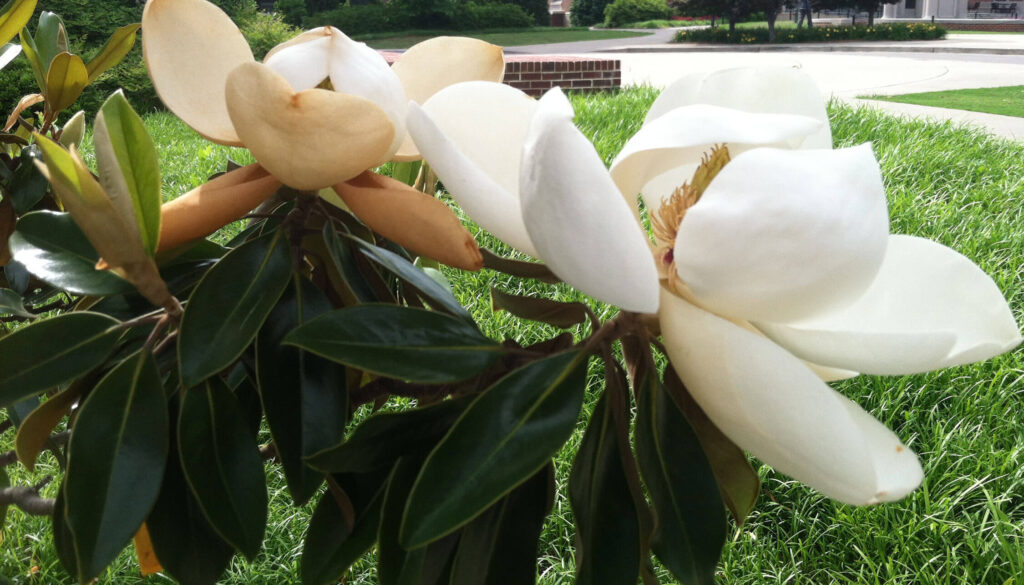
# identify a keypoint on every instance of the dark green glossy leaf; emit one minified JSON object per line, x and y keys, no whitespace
{"x":738,"y":482}
{"x":35,"y":358}
{"x":538,"y":309}
{"x":17,"y":276}
{"x":353,"y":281}
{"x":499,"y":547}
{"x":12,"y":304}
{"x":52,"y":247}
{"x":47,"y":38}
{"x":434,"y":294}
{"x":222,"y":465}
{"x":116,"y":460}
{"x":63,"y":541}
{"x":189,"y":549}
{"x":690,"y":528}
{"x":28,"y":185}
{"x":608,"y":549}
{"x":337,"y":536}
{"x":518,"y":268}
{"x":381,"y":439}
{"x":230,"y":304}
{"x":395,"y":565}
{"x":399,"y":342}
{"x":304,"y":396}
{"x":510,"y":432}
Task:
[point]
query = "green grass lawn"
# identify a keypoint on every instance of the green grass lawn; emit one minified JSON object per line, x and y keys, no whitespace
{"x":1006,"y":101}
{"x":964,"y":526}
{"x":504,"y":38}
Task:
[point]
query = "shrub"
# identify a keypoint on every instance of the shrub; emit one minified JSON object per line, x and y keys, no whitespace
{"x":879,"y":32}
{"x":621,"y":12}
{"x":423,"y":14}
{"x":588,"y":12}
{"x":537,"y":9}
{"x":481,"y":16}
{"x":354,"y":20}
{"x":264,"y":31}
{"x":292,"y":11}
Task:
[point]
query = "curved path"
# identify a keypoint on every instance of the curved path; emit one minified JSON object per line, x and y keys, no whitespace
{"x":845,"y":71}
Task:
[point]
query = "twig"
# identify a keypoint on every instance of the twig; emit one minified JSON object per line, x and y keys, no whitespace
{"x":144,"y":319}
{"x":27,"y":499}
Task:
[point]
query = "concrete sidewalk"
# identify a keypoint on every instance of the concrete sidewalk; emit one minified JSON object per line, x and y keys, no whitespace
{"x":846,"y":71}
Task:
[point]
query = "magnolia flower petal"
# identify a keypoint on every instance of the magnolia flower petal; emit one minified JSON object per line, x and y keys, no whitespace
{"x":190,"y":47}
{"x":358,"y":70}
{"x":784,"y":235}
{"x":580,"y":224}
{"x":929,"y":308}
{"x":418,"y":222}
{"x":770,"y":404}
{"x":777,"y":90}
{"x":680,"y":137}
{"x":472,"y":136}
{"x":310,"y":139}
{"x":303,"y":64}
{"x":430,"y":66}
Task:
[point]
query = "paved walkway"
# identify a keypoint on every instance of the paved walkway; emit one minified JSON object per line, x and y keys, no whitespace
{"x":846,"y":71}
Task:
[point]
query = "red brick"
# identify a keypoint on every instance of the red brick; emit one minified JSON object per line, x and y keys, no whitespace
{"x":531,"y":76}
{"x":592,"y":75}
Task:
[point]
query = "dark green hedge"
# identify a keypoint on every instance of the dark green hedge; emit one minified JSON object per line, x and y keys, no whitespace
{"x":404,"y":15}
{"x":878,"y":32}
{"x":623,"y":12}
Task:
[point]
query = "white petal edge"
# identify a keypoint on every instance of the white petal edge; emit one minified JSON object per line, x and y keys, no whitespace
{"x":576,"y":217}
{"x":302,"y":64}
{"x":358,"y":70}
{"x":929,"y":308}
{"x":774,"y":89}
{"x":770,"y":404}
{"x":781,"y":235}
{"x":681,"y":136}
{"x":472,"y":136}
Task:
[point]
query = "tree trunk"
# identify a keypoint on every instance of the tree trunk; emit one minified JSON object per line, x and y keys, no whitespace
{"x":732,"y":21}
{"x":771,"y":15}
{"x":871,"y":17}
{"x":810,"y":23}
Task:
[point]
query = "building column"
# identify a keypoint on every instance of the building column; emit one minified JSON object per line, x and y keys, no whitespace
{"x":888,"y":11}
{"x":929,"y":8}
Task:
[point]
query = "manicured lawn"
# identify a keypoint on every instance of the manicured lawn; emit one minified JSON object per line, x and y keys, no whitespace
{"x":964,"y":526}
{"x":504,"y":38}
{"x":1006,"y":101}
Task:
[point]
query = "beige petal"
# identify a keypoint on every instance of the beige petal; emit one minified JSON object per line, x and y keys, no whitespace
{"x":190,"y":47}
{"x":414,"y":220}
{"x":212,"y":205}
{"x":310,"y":139}
{"x":428,"y":67}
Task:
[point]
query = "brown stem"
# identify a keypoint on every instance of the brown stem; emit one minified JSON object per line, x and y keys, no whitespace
{"x":27,"y":499}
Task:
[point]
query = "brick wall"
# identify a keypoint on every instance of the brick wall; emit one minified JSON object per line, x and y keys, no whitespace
{"x":535,"y":74}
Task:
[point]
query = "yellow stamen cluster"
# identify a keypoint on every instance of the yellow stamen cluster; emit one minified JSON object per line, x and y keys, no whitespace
{"x":666,"y":220}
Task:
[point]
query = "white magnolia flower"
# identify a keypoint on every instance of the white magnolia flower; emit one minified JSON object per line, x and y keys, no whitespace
{"x":309,"y":138}
{"x":781,"y":275}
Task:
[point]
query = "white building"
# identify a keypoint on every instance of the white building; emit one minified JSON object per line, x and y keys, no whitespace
{"x":944,"y":9}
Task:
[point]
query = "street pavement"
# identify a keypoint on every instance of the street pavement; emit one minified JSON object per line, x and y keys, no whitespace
{"x":846,"y":71}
